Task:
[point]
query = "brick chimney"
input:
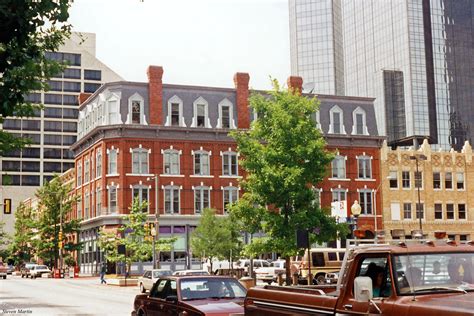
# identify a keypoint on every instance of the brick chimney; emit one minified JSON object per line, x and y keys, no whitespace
{"x":82,"y":97}
{"x":155,"y":93}
{"x":241,"y":81}
{"x":295,"y":83}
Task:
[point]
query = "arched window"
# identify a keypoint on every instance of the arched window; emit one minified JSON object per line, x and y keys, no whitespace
{"x":336,"y":118}
{"x":364,"y":167}
{"x":359,"y":121}
{"x":229,"y":163}
{"x":201,"y":113}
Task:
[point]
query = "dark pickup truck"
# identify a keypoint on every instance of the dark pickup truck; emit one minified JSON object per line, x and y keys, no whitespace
{"x":423,"y":278}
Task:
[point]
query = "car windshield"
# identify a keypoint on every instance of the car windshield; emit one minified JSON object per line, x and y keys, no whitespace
{"x":278,"y":264}
{"x":41,"y":267}
{"x":434,"y":272}
{"x":157,"y":274}
{"x":197,"y":289}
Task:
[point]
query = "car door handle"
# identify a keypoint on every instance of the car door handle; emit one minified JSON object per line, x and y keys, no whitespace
{"x":348,"y":306}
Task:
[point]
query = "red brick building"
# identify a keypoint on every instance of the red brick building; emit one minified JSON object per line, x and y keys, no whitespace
{"x":130,"y":132}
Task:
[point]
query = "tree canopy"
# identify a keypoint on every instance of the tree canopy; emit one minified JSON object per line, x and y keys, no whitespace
{"x":216,"y":237}
{"x":284,"y":157}
{"x":28,"y":29}
{"x":135,"y":235}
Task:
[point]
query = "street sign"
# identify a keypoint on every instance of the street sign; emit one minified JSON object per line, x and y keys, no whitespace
{"x":7,"y":206}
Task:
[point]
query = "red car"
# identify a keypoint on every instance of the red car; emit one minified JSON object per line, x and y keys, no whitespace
{"x":192,"y":295}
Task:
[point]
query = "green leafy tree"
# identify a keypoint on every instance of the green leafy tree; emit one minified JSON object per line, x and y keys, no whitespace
{"x":135,"y":234}
{"x":216,"y":237}
{"x":54,"y":202}
{"x":28,"y":29}
{"x":283,"y":155}
{"x":21,"y":247}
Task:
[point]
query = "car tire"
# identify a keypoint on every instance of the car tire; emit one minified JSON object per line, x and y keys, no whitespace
{"x":319,"y":279}
{"x":4,"y":277}
{"x":142,"y":288}
{"x":22,"y":276}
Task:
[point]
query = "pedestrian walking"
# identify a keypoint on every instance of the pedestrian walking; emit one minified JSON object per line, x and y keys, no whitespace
{"x":103,"y":270}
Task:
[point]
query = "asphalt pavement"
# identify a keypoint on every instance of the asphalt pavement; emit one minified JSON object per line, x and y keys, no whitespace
{"x":82,"y":296}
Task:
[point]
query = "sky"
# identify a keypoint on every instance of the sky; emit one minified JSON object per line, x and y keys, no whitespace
{"x":198,"y":42}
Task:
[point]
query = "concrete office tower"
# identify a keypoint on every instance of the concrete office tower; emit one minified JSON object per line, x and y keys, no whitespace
{"x":53,"y":129}
{"x":417,"y":58}
{"x":316,"y":45}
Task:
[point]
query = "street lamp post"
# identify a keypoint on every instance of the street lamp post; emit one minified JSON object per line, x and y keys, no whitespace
{"x":355,"y":210}
{"x":155,"y":232}
{"x":417,"y":158}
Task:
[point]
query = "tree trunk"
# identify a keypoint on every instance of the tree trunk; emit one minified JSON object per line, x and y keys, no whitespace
{"x":288,"y":270}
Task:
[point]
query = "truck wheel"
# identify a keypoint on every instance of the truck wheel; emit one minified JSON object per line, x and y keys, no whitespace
{"x":320,"y":279}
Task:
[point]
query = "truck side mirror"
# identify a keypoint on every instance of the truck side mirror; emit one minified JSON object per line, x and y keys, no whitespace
{"x":363,"y":289}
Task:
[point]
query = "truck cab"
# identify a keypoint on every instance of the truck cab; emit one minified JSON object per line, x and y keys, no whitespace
{"x":423,"y":278}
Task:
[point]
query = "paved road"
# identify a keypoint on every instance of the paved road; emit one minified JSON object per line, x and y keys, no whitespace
{"x":63,"y":297}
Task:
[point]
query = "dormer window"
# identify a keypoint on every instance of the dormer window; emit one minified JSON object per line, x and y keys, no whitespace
{"x":201,"y":113}
{"x":359,"y":126}
{"x":136,"y":113}
{"x":226,"y":116}
{"x":113,"y":112}
{"x":336,"y":125}
{"x":175,"y":112}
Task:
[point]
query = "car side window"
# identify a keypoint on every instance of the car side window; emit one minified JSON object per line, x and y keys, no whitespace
{"x":172,"y":289}
{"x":147,"y":274}
{"x":377,"y":269}
{"x":158,"y":289}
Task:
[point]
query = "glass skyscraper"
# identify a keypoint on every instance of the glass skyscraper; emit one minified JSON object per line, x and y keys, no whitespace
{"x":416,"y":57}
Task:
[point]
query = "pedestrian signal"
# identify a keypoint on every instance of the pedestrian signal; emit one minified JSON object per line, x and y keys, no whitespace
{"x":7,"y":206}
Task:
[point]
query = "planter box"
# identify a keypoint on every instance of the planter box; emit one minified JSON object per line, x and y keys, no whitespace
{"x":121,"y":282}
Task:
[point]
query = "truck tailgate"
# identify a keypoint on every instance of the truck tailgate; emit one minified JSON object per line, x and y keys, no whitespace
{"x":273,"y":300}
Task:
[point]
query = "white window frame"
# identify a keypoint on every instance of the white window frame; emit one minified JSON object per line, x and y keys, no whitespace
{"x":336,"y":109}
{"x":79,"y":207}
{"x":404,"y":210}
{"x":79,"y":174}
{"x":136,"y":98}
{"x":391,"y":178}
{"x":465,"y":211}
{"x":434,"y":211}
{"x":440,"y":180}
{"x":338,"y":192}
{"x":368,"y":160}
{"x":175,"y":99}
{"x":87,"y":168}
{"x":118,"y":119}
{"x":366,"y":201}
{"x":201,"y":153}
{"x":226,"y":102}
{"x":98,"y":163}
{"x":462,"y":181}
{"x":171,"y":152}
{"x":365,"y":130}
{"x":339,"y":158}
{"x":111,"y":188}
{"x":230,"y":189}
{"x":199,"y":191}
{"x":110,"y":161}
{"x":141,"y":152}
{"x":98,"y":200}
{"x":140,"y":188}
{"x":87,"y":214}
{"x":207,"y":122}
{"x":452,"y":180}
{"x":172,"y":189}
{"x":227,"y":156}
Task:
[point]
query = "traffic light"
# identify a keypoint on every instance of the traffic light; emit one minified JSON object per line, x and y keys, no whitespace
{"x":7,"y":206}
{"x":60,"y":236}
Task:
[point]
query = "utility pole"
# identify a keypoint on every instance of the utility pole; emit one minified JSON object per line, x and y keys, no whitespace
{"x":156,"y":230}
{"x":419,"y":212}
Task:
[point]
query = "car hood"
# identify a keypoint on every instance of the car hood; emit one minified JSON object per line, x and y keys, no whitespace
{"x":454,"y":303}
{"x":218,"y":307}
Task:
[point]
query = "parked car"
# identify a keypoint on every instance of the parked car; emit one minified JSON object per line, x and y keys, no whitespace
{"x":270,"y":274}
{"x":10,"y":269}
{"x":146,"y":281}
{"x":257,"y":263}
{"x":25,"y":270}
{"x":39,"y":271}
{"x":192,"y":295}
{"x":191,"y":272}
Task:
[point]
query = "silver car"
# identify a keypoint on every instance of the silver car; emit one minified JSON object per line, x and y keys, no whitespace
{"x":149,"y":278}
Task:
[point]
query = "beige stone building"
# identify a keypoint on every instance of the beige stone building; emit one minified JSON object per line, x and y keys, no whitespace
{"x":443,"y":187}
